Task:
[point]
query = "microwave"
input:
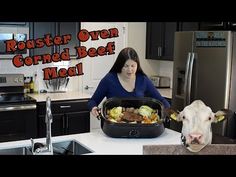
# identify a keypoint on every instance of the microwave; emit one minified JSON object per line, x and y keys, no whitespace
{"x":16,"y":33}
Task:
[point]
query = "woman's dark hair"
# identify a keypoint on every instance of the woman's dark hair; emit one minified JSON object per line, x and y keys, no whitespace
{"x":124,"y":55}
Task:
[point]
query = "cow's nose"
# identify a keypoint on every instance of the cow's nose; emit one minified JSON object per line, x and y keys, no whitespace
{"x":195,"y":137}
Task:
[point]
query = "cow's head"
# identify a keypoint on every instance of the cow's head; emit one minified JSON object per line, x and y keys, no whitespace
{"x":197,"y":119}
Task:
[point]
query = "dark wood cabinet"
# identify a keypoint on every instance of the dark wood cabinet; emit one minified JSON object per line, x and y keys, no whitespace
{"x":217,"y":26}
{"x":153,"y":39}
{"x":188,"y":26}
{"x":39,"y":29}
{"x":14,"y":23}
{"x":229,"y":25}
{"x":69,"y":117}
{"x":204,"y":26}
{"x":169,"y":30}
{"x":232,"y":26}
{"x":18,"y":125}
{"x":69,"y":28}
{"x":160,"y":40}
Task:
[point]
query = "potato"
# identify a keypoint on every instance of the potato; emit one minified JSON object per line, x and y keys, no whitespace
{"x":136,"y":111}
{"x":131,"y":109}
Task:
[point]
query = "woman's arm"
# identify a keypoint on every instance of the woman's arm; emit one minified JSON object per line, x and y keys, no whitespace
{"x":99,"y":94}
{"x":154,"y":93}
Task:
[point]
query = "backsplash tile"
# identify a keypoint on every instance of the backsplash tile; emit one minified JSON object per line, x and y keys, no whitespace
{"x":166,"y":69}
{"x":6,"y":67}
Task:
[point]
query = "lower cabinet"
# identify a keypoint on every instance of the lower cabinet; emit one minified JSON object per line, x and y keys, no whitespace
{"x":18,"y":125}
{"x":69,"y":117}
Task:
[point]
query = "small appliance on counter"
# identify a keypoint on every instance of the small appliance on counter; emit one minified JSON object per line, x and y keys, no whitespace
{"x":160,"y":81}
{"x":130,"y":129}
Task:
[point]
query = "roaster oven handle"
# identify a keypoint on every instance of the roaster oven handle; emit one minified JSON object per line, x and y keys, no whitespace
{"x":99,"y":114}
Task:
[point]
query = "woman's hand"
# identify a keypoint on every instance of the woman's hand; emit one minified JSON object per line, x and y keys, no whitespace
{"x":94,"y":111}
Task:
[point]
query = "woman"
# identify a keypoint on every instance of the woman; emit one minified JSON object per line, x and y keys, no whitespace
{"x":125,"y":79}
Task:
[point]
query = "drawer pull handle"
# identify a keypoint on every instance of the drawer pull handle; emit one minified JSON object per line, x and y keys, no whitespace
{"x":63,"y":107}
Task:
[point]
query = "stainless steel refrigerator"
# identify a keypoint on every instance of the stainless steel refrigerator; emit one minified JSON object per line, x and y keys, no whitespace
{"x":205,"y":68}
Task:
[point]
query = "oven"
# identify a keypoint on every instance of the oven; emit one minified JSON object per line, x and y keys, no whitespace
{"x":18,"y":115}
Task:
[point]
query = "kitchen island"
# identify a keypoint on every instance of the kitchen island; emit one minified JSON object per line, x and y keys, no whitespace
{"x":100,"y":144}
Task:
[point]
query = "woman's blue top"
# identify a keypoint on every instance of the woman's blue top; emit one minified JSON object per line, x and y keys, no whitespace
{"x":110,"y":86}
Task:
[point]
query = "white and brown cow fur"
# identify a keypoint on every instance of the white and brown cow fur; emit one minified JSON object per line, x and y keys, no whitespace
{"x":197,"y":119}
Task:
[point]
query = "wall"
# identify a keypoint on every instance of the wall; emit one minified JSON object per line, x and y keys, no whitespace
{"x":137,"y":40}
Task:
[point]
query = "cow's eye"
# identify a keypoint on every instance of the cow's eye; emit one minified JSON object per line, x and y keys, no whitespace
{"x":183,"y":117}
{"x":209,"y":118}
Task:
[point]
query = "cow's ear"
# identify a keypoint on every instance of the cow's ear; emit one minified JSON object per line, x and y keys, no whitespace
{"x":222,"y":115}
{"x":171,"y":113}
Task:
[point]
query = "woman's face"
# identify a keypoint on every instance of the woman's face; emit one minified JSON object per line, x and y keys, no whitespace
{"x":129,"y":69}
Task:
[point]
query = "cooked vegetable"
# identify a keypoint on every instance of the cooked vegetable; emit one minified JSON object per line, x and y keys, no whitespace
{"x":144,"y":114}
{"x":145,"y":111}
{"x":116,"y":112}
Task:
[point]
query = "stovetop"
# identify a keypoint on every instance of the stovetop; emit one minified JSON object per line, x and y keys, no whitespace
{"x":16,"y":99}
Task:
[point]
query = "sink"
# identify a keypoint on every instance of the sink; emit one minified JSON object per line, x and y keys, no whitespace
{"x":70,"y":147}
{"x":16,"y":151}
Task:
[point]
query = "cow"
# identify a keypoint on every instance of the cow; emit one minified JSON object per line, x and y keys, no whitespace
{"x":196,"y":131}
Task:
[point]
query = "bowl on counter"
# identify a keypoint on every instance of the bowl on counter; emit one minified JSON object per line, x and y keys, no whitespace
{"x":128,"y":129}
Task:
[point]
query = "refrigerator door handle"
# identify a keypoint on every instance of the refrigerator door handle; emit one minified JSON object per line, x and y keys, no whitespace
{"x":186,"y":94}
{"x":190,"y":78}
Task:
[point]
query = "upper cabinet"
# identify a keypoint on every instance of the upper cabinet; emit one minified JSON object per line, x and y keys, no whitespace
{"x":69,"y":28}
{"x":159,"y":40}
{"x":214,"y":26}
{"x":14,"y":23}
{"x":153,"y":39}
{"x":231,"y":26}
{"x":169,"y":34}
{"x":188,"y":26}
{"x":39,"y":29}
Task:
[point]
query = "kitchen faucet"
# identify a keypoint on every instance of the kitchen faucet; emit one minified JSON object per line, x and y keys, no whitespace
{"x":45,"y":149}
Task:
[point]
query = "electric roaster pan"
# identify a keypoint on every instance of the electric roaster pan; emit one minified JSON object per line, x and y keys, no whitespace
{"x":128,"y":129}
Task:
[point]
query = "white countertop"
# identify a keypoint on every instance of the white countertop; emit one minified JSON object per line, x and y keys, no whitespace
{"x":165,"y":92}
{"x":99,"y":143}
{"x":41,"y":97}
